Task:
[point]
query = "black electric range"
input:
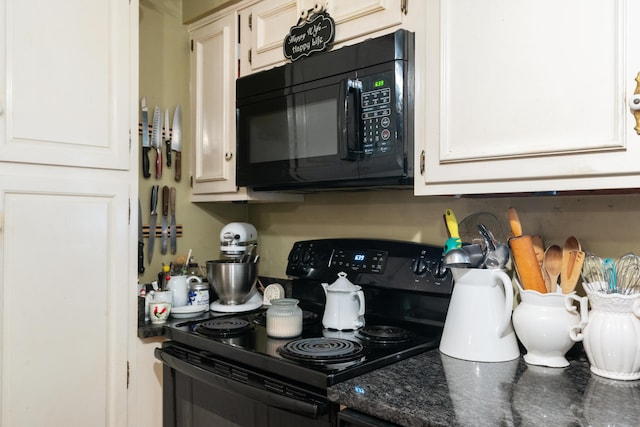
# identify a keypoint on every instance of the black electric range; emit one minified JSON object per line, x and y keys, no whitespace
{"x":407,"y":293}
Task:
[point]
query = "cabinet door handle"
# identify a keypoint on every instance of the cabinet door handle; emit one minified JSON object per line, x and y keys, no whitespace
{"x":228,"y":156}
{"x":634,"y":104}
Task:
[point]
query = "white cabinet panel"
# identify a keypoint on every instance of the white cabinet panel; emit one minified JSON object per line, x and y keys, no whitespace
{"x":527,"y":96}
{"x":64,"y":289}
{"x":58,"y":107}
{"x":213,"y":71}
{"x":265,"y":25}
{"x":68,"y":89}
{"x":214,"y":67}
{"x":362,"y":17}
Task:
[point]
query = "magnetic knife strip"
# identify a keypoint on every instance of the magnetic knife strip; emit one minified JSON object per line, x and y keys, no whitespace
{"x":145,"y":230}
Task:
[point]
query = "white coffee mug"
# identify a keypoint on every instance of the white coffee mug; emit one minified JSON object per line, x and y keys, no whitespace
{"x":155,"y":297}
{"x":179,"y":285}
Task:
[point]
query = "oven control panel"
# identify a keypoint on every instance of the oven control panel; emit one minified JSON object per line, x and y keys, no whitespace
{"x":360,"y":260}
{"x":380,"y":263}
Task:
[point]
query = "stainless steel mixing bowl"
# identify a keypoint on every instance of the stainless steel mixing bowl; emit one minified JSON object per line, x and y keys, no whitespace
{"x":232,"y":280}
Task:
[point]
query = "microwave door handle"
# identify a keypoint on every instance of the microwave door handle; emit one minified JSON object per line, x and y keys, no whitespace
{"x":350,"y":141}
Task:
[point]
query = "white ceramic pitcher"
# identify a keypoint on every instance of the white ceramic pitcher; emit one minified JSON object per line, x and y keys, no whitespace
{"x":548,"y":325}
{"x":344,"y":309}
{"x":180,"y":287}
{"x":612,"y":335}
{"x":478,"y":324}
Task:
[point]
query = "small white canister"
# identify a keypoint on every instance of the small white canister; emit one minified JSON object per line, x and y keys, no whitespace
{"x":284,"y":318}
{"x":198,"y":293}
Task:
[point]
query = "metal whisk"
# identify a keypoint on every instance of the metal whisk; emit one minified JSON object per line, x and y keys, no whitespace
{"x":627,"y":273}
{"x":621,"y":276}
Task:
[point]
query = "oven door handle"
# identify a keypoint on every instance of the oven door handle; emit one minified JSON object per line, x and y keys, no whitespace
{"x":300,"y":407}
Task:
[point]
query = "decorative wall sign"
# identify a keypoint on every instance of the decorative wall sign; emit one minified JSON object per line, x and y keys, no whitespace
{"x":313,"y":34}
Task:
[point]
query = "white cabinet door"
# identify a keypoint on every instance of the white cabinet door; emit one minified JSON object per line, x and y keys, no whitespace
{"x":263,"y":28}
{"x":214,"y":67}
{"x":363,"y":17}
{"x":213,"y":74}
{"x":47,"y":118}
{"x":68,"y":88}
{"x":527,"y":96}
{"x":64,"y":290}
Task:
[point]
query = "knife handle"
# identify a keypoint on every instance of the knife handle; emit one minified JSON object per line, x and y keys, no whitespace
{"x":172,"y":207}
{"x":140,"y":257}
{"x":165,"y":200}
{"x":145,"y":162}
{"x":178,"y":165}
{"x":158,"y":163}
{"x":168,"y":143}
{"x":154,"y":202}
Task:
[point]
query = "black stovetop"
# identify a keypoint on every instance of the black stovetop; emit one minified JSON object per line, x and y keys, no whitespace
{"x":254,"y":349}
{"x":403,"y":284}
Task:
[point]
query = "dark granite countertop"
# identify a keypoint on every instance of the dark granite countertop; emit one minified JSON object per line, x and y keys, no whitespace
{"x":433,"y":389}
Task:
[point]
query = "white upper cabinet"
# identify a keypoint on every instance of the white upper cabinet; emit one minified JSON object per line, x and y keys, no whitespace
{"x":361,"y":18}
{"x":263,"y":28}
{"x":68,"y":184}
{"x":526,"y":96}
{"x":213,"y":73}
{"x":45,"y":118}
{"x":264,"y":25}
{"x":214,"y":67}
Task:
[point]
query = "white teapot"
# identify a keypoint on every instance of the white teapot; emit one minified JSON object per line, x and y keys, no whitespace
{"x":344,"y":309}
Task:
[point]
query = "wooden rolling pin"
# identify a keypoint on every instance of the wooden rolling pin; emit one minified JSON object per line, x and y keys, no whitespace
{"x":524,"y":256}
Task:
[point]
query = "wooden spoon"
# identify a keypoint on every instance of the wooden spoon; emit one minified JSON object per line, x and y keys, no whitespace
{"x":538,"y":247}
{"x":569,"y":252}
{"x":552,"y":264}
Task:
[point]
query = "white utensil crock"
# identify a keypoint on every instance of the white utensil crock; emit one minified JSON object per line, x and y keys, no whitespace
{"x":612,"y":336}
{"x":478,"y":323}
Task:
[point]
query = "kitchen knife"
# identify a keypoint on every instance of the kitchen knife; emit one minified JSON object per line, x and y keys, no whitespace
{"x":156,"y":139}
{"x":152,"y":221}
{"x":172,"y":210}
{"x":140,"y":241}
{"x":167,"y":140}
{"x":145,"y":138}
{"x":176,"y":141}
{"x":165,"y":224}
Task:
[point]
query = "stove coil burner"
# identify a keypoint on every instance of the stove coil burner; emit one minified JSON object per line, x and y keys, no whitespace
{"x":322,"y":350}
{"x":383,"y":335}
{"x":224,"y":327}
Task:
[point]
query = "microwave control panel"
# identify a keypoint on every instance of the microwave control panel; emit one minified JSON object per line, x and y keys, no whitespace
{"x":377,"y":103}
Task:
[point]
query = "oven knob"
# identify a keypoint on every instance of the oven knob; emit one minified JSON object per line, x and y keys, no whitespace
{"x":308,"y":255}
{"x":440,"y":270}
{"x":419,"y":266}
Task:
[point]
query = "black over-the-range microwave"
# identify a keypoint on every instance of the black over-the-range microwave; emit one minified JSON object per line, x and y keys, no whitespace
{"x":339,"y":119}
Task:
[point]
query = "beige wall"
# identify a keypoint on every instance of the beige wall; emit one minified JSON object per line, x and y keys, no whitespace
{"x":192,"y":10}
{"x":164,"y":80}
{"x":606,"y":225}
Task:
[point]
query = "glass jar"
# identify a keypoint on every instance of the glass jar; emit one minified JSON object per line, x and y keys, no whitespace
{"x":284,"y":318}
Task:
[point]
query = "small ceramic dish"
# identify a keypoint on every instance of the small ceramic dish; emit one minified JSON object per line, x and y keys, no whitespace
{"x":188,"y":311}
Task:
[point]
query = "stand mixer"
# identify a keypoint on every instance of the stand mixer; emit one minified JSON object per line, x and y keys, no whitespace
{"x":233,"y":277}
{"x":238,"y":239}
